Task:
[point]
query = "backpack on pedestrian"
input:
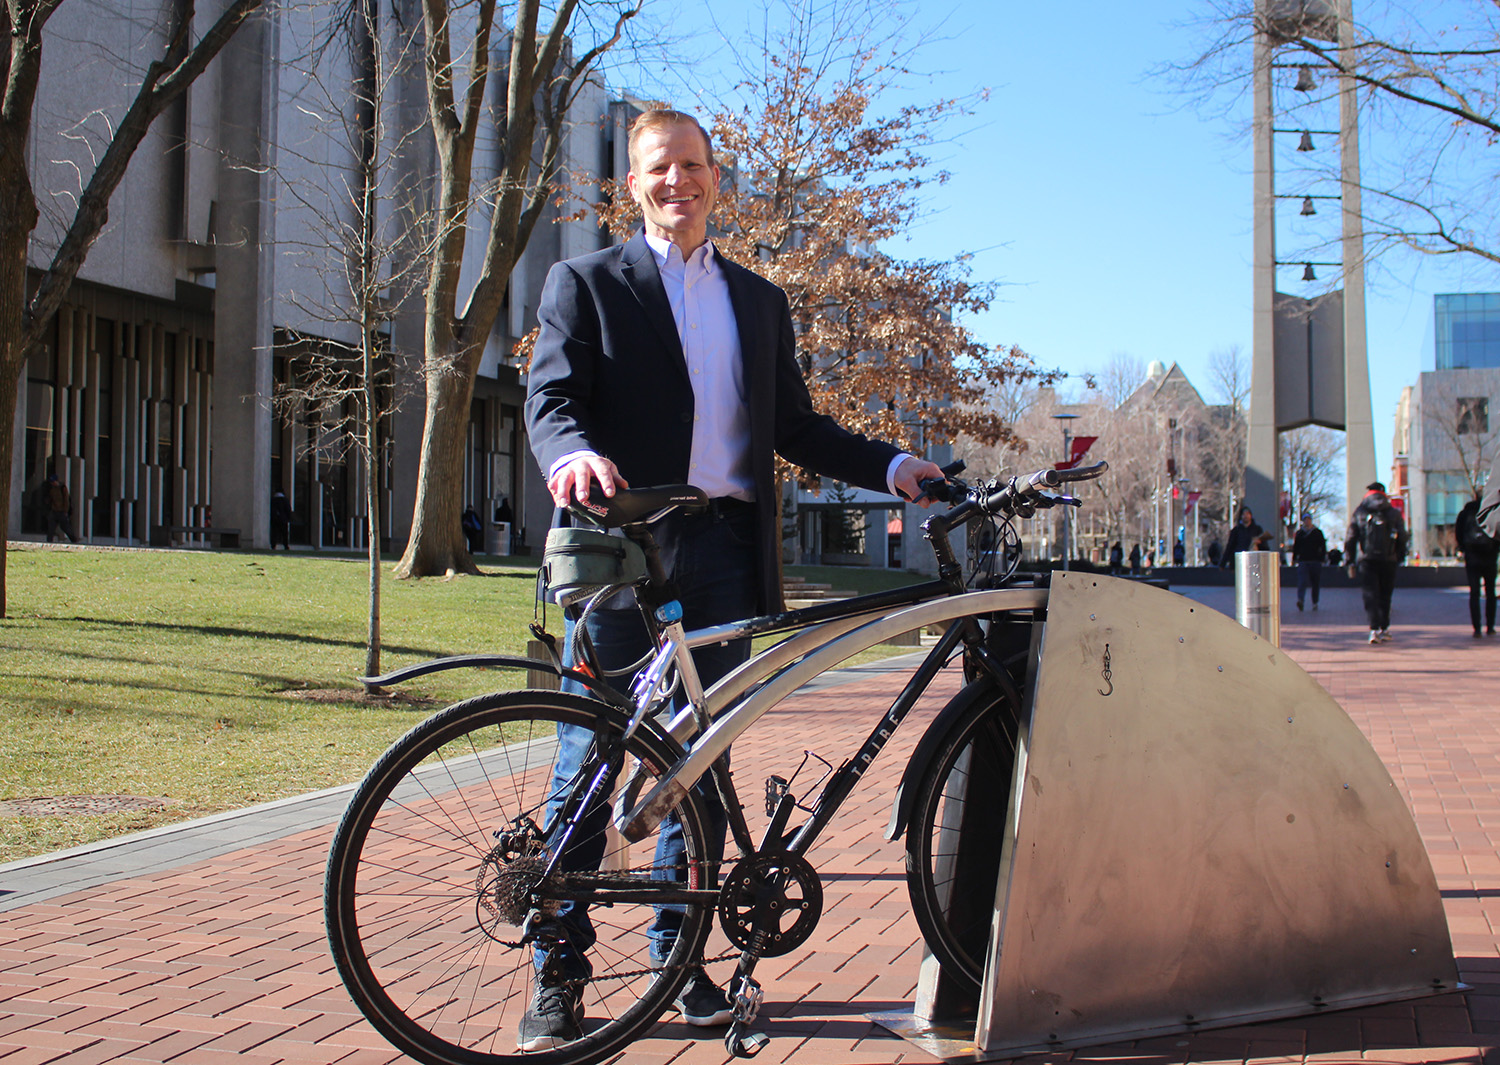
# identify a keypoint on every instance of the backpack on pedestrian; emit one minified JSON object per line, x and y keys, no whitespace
{"x":1379,"y":538}
{"x":1472,"y":538}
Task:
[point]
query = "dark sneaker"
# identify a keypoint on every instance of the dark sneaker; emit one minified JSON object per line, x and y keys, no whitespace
{"x":702,"y":1002}
{"x":554,"y":1019}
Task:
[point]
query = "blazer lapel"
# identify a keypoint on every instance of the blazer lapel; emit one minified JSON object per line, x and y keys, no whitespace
{"x":639,"y":272}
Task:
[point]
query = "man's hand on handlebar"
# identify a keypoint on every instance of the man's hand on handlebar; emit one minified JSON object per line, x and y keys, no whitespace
{"x":573,"y":480}
{"x":910,"y":473}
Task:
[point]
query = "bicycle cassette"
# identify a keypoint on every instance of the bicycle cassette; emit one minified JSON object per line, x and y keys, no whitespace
{"x":770,"y":903}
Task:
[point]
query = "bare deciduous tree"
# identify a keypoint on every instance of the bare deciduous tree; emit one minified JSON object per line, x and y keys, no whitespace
{"x":24,"y":319}
{"x":357,"y":225}
{"x":543,"y":76}
{"x":1312,"y":459}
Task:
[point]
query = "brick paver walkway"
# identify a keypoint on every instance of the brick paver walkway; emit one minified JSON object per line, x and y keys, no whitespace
{"x":221,"y":958}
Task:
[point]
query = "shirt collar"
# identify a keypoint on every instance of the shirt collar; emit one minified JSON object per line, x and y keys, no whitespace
{"x":662,"y":249}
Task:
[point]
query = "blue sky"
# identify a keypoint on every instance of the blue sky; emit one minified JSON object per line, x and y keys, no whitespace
{"x":1116,"y":216}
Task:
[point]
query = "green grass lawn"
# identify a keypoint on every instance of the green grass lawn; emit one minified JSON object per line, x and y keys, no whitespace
{"x":173,"y":674}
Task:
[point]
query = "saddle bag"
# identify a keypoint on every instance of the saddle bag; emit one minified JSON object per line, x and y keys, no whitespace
{"x":579,"y":562}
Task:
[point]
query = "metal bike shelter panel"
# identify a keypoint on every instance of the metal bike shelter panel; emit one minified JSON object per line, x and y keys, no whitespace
{"x":1201,"y":838}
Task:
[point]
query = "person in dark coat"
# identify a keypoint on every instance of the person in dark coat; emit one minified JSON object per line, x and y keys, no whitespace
{"x":59,"y":510}
{"x":281,"y":521}
{"x":1480,"y":551}
{"x":1375,"y":544}
{"x":473,"y":530}
{"x":1309,"y":553}
{"x":1116,"y":559}
{"x":1241,"y":538}
{"x":1135,"y":559}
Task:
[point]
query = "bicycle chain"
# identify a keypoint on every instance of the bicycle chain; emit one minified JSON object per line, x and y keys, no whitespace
{"x":634,"y":972}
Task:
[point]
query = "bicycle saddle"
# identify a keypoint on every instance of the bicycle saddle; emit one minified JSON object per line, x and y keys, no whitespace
{"x":630,"y":505}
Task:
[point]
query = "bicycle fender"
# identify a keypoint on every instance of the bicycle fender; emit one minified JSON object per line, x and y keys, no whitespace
{"x":437,"y":665}
{"x":927,"y":746}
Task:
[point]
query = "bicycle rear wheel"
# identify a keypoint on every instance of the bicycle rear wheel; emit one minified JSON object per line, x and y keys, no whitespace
{"x":967,"y":784}
{"x":437,"y":864}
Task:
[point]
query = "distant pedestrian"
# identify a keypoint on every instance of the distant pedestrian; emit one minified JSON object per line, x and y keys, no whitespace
{"x":1179,"y":554}
{"x":1116,"y":559}
{"x":1241,"y":537}
{"x":473,"y":530}
{"x":1375,"y":544}
{"x":1215,"y":552}
{"x":1309,"y":553}
{"x":1135,"y":559}
{"x":281,"y":521}
{"x":59,"y":510}
{"x":1480,"y":551}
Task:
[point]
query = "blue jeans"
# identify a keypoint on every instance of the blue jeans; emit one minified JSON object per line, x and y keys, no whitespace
{"x":712,"y":557}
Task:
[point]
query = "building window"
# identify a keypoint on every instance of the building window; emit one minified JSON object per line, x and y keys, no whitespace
{"x":1473,"y":415}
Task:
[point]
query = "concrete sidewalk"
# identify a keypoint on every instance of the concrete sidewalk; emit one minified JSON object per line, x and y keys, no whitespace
{"x":204,"y":942}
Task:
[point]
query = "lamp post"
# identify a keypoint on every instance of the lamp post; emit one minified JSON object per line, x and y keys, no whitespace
{"x":1067,"y":456}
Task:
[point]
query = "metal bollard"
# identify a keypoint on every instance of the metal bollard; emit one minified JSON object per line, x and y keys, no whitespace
{"x":1257,"y":593}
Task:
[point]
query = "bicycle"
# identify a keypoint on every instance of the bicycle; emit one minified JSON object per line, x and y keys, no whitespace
{"x":450,"y":857}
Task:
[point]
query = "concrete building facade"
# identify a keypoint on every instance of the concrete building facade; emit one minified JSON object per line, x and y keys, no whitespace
{"x":215,"y":278}
{"x":1446,"y":433}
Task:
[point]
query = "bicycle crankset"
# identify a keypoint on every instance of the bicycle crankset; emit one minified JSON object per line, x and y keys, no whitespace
{"x":770,"y":903}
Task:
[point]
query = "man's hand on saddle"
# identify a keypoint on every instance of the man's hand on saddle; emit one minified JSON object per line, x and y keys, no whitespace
{"x":575,"y":480}
{"x":912,"y":471}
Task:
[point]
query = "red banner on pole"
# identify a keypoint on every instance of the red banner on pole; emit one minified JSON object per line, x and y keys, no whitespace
{"x":1080,"y":447}
{"x":1192,"y":498}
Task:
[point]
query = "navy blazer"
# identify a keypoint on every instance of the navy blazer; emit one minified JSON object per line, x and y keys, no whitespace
{"x":609,"y":374}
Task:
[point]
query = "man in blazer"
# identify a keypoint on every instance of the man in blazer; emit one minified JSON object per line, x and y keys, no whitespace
{"x":660,"y":362}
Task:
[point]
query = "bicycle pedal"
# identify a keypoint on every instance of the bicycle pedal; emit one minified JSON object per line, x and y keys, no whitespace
{"x":748,"y":997}
{"x":776,"y":787}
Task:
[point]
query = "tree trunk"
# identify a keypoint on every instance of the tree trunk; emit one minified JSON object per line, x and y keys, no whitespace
{"x":437,"y":544}
{"x":18,"y":217}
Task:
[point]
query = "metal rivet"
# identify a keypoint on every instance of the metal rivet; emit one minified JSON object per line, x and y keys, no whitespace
{"x":1346,"y":787}
{"x":1288,"y":721}
{"x":1179,"y":639}
{"x":1092,"y":617}
{"x":1221,"y":669}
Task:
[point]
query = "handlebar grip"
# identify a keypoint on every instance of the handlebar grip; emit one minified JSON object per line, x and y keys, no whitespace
{"x":1081,"y":473}
{"x":935,"y":487}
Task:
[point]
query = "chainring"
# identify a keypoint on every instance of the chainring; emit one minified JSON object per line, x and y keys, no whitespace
{"x":770,"y":903}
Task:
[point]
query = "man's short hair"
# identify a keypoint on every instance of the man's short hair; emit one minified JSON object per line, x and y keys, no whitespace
{"x":664,"y":118}
{"x":1374,"y":486}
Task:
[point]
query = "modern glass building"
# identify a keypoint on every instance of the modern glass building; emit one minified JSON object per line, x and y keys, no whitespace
{"x":1466,"y":328}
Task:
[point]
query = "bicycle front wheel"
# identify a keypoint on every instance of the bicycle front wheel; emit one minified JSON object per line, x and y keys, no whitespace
{"x":437,"y":880}
{"x":964,"y":792}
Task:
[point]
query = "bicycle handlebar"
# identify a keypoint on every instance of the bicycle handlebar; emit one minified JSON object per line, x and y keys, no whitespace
{"x":1028,"y":493}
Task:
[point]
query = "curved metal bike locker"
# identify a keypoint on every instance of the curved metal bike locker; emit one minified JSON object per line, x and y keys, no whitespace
{"x":1197,"y":836}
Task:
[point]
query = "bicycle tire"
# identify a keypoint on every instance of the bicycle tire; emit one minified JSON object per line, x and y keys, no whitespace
{"x":953,"y":905}
{"x":418,"y":929}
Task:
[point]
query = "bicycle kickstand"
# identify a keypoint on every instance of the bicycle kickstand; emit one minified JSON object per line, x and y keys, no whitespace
{"x":741,"y":1040}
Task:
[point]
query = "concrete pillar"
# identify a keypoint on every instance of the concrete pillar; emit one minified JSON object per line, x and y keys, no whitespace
{"x":1359,"y":444}
{"x":240,"y":472}
{"x":1262,"y":455}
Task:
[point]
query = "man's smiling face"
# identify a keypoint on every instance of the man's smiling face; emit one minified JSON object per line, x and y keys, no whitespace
{"x":675,"y":184}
